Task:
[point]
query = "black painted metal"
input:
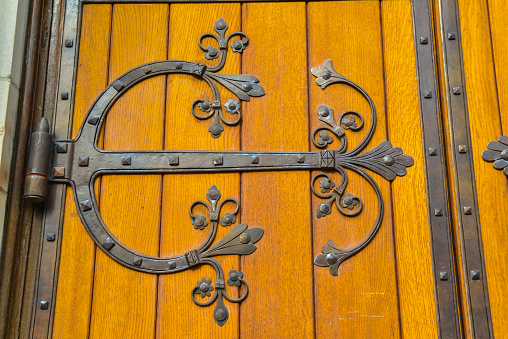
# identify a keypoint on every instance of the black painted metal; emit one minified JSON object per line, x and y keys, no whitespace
{"x":476,"y":290}
{"x":442,"y":248}
{"x":497,"y":152}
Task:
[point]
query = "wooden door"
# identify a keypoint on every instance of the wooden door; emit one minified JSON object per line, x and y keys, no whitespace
{"x":350,"y":230}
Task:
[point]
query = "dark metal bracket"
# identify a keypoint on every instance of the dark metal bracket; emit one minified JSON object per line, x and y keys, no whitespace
{"x":79,"y":162}
{"x":497,"y":152}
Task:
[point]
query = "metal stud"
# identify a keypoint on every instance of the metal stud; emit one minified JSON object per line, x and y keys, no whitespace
{"x":475,"y":275}
{"x":174,"y":161}
{"x":44,"y":305}
{"x":468,"y":210}
{"x":50,"y":237}
{"x":432,"y":151}
{"x":126,"y":160}
{"x":118,"y":85}
{"x":427,"y":94}
{"x":137,"y":261}
{"x":443,"y":275}
{"x":69,"y":43}
{"x":300,"y":159}
{"x":147,"y":69}
{"x":85,"y":205}
{"x":452,"y":36}
{"x":61,"y":147}
{"x":64,"y":96}
{"x":59,"y":172}
{"x":172,"y":264}
{"x":254,"y":159}
{"x":108,"y":243}
{"x":462,"y":149}
{"x":456,"y":90}
{"x":438,"y":212}
{"x":217,"y":160}
{"x":83,"y":161}
{"x":93,"y":120}
{"x":179,"y":66}
{"x":424,"y":40}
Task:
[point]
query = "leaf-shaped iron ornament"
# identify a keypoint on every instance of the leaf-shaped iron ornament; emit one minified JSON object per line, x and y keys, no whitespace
{"x":497,"y":152}
{"x":240,"y":240}
{"x":385,"y":160}
{"x":244,"y":86}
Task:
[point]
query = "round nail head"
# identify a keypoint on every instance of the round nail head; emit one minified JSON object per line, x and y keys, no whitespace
{"x":331,"y":258}
{"x":389,"y":160}
{"x":220,"y":314}
{"x":244,"y":238}
{"x":203,"y":287}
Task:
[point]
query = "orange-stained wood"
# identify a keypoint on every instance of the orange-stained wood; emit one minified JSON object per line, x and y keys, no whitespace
{"x":77,"y":257}
{"x":361,"y":302}
{"x":124,"y":301}
{"x":410,"y":212}
{"x":177,"y":315}
{"x":483,"y":65}
{"x":279,"y":273}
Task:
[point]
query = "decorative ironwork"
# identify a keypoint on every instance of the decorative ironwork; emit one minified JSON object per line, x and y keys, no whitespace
{"x":497,"y":152}
{"x":243,"y":86}
{"x":385,"y":160}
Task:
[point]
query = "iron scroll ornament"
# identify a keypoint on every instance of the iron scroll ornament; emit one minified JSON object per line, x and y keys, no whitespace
{"x":79,"y":162}
{"x":497,"y":152}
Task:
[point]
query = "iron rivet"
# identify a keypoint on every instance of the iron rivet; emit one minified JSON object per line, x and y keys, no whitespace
{"x":69,"y":43}
{"x":462,"y":149}
{"x":220,"y":314}
{"x":427,"y":94}
{"x":108,"y":243}
{"x":246,"y":87}
{"x":475,"y":275}
{"x":468,"y":210}
{"x":238,"y":44}
{"x":389,"y":160}
{"x":147,"y":69}
{"x":126,"y":160}
{"x":443,"y":275}
{"x":504,"y":154}
{"x":118,"y":85}
{"x":324,"y":208}
{"x":64,"y":96}
{"x":424,"y":40}
{"x":326,"y":75}
{"x":83,"y":161}
{"x":331,"y":258}
{"x":300,"y":159}
{"x":137,"y":261}
{"x":438,"y":212}
{"x":452,"y":36}
{"x":244,"y":238}
{"x":203,"y":287}
{"x":456,"y":90}
{"x":432,"y":151}
{"x":93,"y":120}
{"x":254,"y":159}
{"x":172,"y":264}
{"x":323,"y":111}
{"x":61,"y":147}
{"x":174,"y":161}
{"x":233,"y":276}
{"x":59,"y":172}
{"x":50,"y":237}
{"x":220,"y":25}
{"x":44,"y":305}
{"x":217,"y":160}
{"x":179,"y":66}
{"x":86,"y":205}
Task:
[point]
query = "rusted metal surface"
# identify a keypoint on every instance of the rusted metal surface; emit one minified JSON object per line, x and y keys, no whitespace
{"x":477,"y":296}
{"x":447,"y":306}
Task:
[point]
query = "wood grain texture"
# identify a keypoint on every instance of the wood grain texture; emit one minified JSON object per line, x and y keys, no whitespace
{"x":279,"y":273}
{"x":77,"y":257}
{"x":482,"y":65}
{"x":124,"y":301}
{"x":178,"y":316}
{"x":411,"y":224}
{"x":361,"y":302}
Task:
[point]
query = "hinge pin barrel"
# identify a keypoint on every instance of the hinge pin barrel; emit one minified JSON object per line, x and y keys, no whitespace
{"x":36,"y":183}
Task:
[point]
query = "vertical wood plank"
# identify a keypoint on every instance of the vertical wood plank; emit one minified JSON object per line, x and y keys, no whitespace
{"x":124,"y":301}
{"x":482,"y":66}
{"x":177,"y":315}
{"x":279,"y":273}
{"x":361,"y":302}
{"x":411,"y":224}
{"x":75,"y":279}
